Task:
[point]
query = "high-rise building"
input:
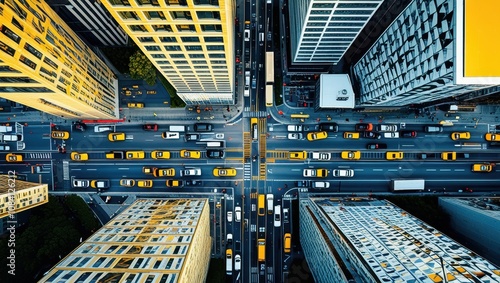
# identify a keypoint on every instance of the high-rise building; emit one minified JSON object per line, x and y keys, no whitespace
{"x":91,"y":21}
{"x":191,"y":43}
{"x":17,"y":196}
{"x":153,"y":240}
{"x":478,"y":221}
{"x":433,"y":50}
{"x":46,"y":66}
{"x":322,"y":30}
{"x":365,"y":240}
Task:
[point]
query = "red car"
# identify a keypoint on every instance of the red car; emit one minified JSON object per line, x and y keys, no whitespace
{"x":361,"y":127}
{"x":238,"y":59}
{"x":150,"y":127}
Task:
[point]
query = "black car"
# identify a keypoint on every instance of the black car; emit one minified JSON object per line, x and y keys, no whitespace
{"x":215,"y":153}
{"x":80,"y":126}
{"x":192,"y":137}
{"x":203,"y":127}
{"x":303,"y":183}
{"x":376,"y":146}
{"x":329,"y":127}
{"x":372,"y":135}
{"x":361,"y":127}
{"x":408,"y":134}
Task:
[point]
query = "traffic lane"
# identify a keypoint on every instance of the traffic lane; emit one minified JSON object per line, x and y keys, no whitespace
{"x":36,"y":137}
{"x":335,"y":141}
{"x":384,"y":171}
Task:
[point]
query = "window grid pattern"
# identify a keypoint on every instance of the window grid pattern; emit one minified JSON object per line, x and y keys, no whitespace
{"x":413,"y":61}
{"x":322,"y":30}
{"x":168,"y":239}
{"x":380,"y":242}
{"x":194,"y":30}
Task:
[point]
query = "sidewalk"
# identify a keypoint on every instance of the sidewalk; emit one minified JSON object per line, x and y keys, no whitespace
{"x":431,"y":115}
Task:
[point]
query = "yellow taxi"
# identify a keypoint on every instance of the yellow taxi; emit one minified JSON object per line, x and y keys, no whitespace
{"x":160,"y":172}
{"x":148,"y":170}
{"x":394,"y":155}
{"x":116,"y":137}
{"x":301,"y":155}
{"x":12,"y":157}
{"x":61,"y":135}
{"x":160,"y":154}
{"x":127,"y":182}
{"x":483,"y":167}
{"x":145,"y":183}
{"x":195,"y":154}
{"x":460,"y":136}
{"x":174,"y":183}
{"x":313,"y":136}
{"x":351,"y":155}
{"x":135,"y":105}
{"x":449,"y":155}
{"x":79,"y":156}
{"x":492,"y":137}
{"x":134,"y":154}
{"x":224,"y":172}
{"x":351,"y":135}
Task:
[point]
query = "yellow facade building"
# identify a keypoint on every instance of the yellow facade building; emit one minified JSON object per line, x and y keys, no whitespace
{"x":153,"y":240}
{"x":17,"y":196}
{"x":190,"y":42}
{"x":45,"y":65}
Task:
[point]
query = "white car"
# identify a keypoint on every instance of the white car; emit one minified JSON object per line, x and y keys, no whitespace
{"x":247,"y":35}
{"x":170,"y":135}
{"x":294,"y":136}
{"x":237,"y":262}
{"x":391,"y":135}
{"x":102,"y":128}
{"x":229,"y":216}
{"x":321,"y":155}
{"x":190,"y":171}
{"x":81,"y":183}
{"x":343,"y":173}
{"x":237,"y":214}
{"x":229,"y":239}
{"x":277,"y":216}
{"x":309,"y":173}
{"x":321,"y":185}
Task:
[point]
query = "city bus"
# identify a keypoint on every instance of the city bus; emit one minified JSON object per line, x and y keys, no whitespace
{"x":401,"y":185}
{"x":269,"y":95}
{"x":261,"y":205}
{"x":299,"y":116}
{"x":269,"y":68}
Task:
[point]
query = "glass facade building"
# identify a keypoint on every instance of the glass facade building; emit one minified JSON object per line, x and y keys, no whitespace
{"x":321,"y":31}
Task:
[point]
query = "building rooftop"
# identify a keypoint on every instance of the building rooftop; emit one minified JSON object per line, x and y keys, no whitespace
{"x":153,"y":240}
{"x":477,"y":42}
{"x":401,"y":248}
{"x":336,"y":91}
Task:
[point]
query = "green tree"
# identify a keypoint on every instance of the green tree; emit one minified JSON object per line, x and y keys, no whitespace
{"x":141,"y":68}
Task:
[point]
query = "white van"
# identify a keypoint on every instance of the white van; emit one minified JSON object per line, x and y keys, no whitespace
{"x":175,"y":128}
{"x":270,"y":198}
{"x":11,"y":137}
{"x":102,"y":128}
{"x":277,"y":216}
{"x":261,"y":38}
{"x":216,"y":144}
{"x":294,"y":128}
{"x":229,"y":261}
{"x":5,"y":129}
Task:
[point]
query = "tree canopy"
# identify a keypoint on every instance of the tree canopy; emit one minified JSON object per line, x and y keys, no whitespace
{"x":141,"y":68}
